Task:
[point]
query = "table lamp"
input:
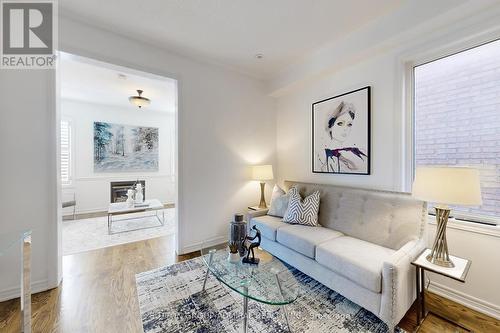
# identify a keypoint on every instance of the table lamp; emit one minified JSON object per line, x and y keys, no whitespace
{"x":262,"y":173}
{"x":443,"y":186}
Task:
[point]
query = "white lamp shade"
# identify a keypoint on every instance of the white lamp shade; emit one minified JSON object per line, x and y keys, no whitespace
{"x":139,"y":101}
{"x":262,"y":172}
{"x":448,"y":185}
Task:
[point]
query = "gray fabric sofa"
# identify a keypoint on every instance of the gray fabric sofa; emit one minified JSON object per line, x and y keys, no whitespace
{"x":362,"y":249}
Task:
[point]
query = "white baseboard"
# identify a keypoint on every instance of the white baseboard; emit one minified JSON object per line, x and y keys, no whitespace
{"x":472,"y":302}
{"x":15,"y":292}
{"x":209,"y":242}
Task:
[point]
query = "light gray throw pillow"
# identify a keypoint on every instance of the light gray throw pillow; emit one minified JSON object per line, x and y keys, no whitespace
{"x":279,"y":202}
{"x":300,"y":211}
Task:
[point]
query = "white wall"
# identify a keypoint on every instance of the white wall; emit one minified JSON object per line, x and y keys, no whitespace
{"x":383,"y":71}
{"x":294,"y":125}
{"x":92,"y":189}
{"x":225,"y":122}
{"x":28,"y":174}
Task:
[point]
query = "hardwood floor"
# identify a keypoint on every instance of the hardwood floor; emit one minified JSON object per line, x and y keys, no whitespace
{"x":473,"y":320}
{"x":98,"y":295}
{"x":98,"y":290}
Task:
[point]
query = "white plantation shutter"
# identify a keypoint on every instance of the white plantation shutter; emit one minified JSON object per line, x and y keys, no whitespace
{"x":65,"y":152}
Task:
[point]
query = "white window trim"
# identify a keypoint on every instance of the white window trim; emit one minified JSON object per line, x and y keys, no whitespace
{"x":404,"y":99}
{"x":478,"y":228}
{"x":71,"y":182}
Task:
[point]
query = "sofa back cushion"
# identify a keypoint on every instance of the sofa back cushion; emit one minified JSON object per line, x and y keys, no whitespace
{"x":389,"y":219}
{"x":279,"y":202}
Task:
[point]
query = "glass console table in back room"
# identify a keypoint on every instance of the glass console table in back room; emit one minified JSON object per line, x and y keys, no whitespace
{"x":20,"y":242}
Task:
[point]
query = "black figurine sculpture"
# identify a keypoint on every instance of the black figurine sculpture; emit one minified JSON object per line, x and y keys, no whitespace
{"x":250,"y":248}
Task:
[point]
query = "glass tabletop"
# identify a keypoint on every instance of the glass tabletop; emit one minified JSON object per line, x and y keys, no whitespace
{"x":8,"y":240}
{"x":270,"y":281}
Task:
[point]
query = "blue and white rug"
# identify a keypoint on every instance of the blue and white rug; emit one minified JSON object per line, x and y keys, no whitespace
{"x":171,"y":300}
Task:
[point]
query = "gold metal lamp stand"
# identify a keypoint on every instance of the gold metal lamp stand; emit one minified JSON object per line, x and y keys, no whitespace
{"x":439,"y":253}
{"x":262,"y":203}
{"x":262,"y":173}
{"x":445,"y":186}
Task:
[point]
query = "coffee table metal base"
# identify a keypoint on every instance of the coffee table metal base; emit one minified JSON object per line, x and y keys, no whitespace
{"x":160,"y":220}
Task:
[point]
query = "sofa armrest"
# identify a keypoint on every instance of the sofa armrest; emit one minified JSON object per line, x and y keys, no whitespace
{"x":256,"y":213}
{"x":398,"y":282}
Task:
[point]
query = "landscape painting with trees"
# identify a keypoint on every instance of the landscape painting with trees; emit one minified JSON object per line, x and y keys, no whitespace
{"x":125,"y":148}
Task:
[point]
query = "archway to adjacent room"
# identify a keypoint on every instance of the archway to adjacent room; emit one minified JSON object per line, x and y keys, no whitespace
{"x":111,"y":151}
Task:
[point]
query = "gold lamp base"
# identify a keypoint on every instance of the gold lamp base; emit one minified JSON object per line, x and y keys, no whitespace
{"x":262,"y":203}
{"x":439,"y":253}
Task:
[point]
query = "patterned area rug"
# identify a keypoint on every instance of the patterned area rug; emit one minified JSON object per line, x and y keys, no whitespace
{"x":90,"y":234}
{"x":171,"y":300}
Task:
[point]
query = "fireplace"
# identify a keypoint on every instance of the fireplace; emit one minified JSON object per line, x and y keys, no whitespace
{"x":118,"y":190}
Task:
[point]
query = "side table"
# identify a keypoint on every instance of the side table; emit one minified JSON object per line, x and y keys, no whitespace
{"x":257,"y":208}
{"x":458,"y":273}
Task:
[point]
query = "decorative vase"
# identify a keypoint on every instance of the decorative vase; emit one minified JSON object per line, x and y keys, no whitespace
{"x":238,"y":233}
{"x":233,"y":257}
{"x":139,"y":197}
{"x":130,"y":198}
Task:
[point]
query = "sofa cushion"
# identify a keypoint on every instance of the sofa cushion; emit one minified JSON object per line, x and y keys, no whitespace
{"x":304,"y":239}
{"x":279,"y":202}
{"x":355,"y":259}
{"x":267,"y":225}
{"x":302,"y":211}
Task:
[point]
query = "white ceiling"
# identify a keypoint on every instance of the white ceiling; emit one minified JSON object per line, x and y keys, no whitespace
{"x":90,"y":81}
{"x":231,"y":32}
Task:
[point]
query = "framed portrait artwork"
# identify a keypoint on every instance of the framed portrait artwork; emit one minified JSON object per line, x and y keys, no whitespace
{"x":341,"y":134}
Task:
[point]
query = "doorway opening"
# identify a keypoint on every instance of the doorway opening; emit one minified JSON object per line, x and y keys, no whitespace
{"x":117,"y":141}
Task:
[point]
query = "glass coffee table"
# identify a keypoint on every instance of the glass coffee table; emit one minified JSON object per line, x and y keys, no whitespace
{"x":269,"y":282}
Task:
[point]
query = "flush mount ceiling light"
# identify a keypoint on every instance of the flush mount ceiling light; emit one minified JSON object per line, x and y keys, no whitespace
{"x":259,"y":56}
{"x":139,"y":100}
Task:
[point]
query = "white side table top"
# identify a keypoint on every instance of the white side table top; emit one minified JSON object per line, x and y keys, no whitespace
{"x":257,"y":208}
{"x":122,"y":207}
{"x":459,"y":272}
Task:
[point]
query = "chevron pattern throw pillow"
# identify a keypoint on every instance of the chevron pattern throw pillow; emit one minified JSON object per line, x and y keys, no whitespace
{"x":300,"y":211}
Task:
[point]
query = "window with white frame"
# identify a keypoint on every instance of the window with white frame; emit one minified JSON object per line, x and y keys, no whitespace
{"x":66,"y":173}
{"x":457,"y":120}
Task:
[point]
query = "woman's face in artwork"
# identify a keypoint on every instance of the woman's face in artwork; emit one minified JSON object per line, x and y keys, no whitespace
{"x":342,"y":127}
